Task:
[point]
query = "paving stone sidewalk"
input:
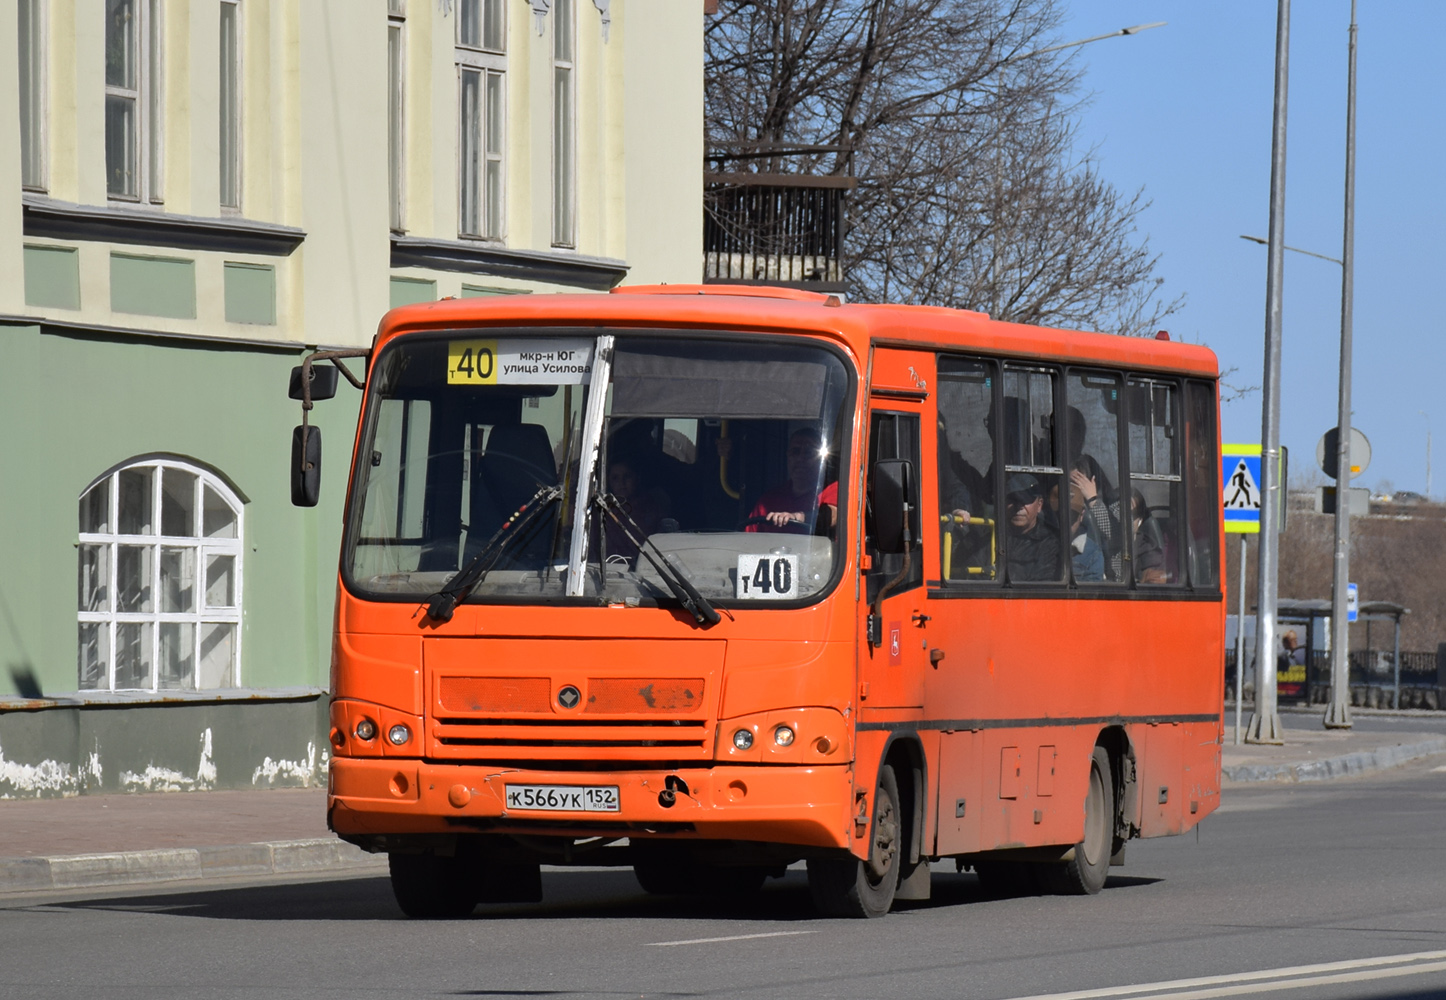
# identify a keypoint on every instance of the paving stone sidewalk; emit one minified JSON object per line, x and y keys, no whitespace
{"x":110,"y":840}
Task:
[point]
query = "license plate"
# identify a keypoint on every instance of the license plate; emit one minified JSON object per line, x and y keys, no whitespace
{"x":564,"y":798}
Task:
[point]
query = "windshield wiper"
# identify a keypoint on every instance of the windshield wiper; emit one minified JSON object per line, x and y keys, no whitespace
{"x":704,"y":614}
{"x":441,"y":604}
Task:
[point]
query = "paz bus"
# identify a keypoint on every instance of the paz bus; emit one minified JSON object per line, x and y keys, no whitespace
{"x":709,"y":581}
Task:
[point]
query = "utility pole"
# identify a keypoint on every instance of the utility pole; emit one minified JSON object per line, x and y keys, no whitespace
{"x":1265,"y":723}
{"x":1338,"y":714}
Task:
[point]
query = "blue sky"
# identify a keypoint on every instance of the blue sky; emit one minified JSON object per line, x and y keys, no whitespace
{"x":1184,"y":111}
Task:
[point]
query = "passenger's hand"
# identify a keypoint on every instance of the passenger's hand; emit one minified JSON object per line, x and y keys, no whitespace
{"x":783,"y":518}
{"x":1084,"y":483}
{"x":961,"y":516}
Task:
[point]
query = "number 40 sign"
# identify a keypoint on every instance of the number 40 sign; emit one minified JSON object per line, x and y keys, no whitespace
{"x":767,"y":577}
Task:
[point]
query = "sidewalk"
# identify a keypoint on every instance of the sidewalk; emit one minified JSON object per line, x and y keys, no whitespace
{"x":1314,"y":753}
{"x":109,"y":840}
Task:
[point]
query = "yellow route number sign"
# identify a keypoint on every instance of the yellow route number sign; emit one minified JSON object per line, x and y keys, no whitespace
{"x":472,"y":362}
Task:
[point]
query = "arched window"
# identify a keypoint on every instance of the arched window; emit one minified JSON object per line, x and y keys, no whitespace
{"x":159,"y":580}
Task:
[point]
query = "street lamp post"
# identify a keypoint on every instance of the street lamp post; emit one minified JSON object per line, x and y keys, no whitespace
{"x":1265,"y":723}
{"x":1338,"y":714}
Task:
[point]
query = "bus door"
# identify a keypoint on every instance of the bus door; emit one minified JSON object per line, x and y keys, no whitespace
{"x":895,"y":653}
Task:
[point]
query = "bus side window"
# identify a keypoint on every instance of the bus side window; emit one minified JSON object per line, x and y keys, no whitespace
{"x":1033,"y":477}
{"x":894,"y":435}
{"x":1156,"y":494}
{"x":1204,"y":468}
{"x":969,"y":529}
{"x":1092,"y":424}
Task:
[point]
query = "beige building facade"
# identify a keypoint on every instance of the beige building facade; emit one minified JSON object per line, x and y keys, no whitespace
{"x":193,"y":193}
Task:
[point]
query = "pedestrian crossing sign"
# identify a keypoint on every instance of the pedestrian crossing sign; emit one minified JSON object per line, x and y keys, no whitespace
{"x":1240,"y":497}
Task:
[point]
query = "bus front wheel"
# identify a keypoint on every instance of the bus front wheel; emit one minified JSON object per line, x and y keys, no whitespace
{"x":1084,"y":873}
{"x":854,"y":888}
{"x":429,"y":886}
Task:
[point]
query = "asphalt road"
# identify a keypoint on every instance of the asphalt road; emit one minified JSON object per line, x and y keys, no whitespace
{"x":1310,"y":892}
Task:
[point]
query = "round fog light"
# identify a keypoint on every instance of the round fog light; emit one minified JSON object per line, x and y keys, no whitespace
{"x":743,"y":739}
{"x":366,"y":729}
{"x":399,"y":734}
{"x":783,"y":736}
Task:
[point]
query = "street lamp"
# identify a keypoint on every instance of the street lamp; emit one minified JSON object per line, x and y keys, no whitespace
{"x":1122,"y":32}
{"x":1265,"y":727}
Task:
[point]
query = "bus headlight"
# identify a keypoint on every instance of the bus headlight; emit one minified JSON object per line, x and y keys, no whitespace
{"x":399,"y":734}
{"x":783,"y":736}
{"x":743,"y":739}
{"x":366,"y":730}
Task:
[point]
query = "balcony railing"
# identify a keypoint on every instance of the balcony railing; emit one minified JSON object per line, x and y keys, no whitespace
{"x":775,"y":229}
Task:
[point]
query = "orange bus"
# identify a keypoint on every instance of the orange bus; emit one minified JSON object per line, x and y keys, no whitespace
{"x":707,"y":581}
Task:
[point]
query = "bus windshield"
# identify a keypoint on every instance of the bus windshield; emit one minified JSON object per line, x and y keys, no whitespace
{"x":717,"y":458}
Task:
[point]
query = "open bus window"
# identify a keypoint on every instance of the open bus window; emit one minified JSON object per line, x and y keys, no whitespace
{"x":462,"y":430}
{"x":1092,"y":426}
{"x":1156,"y":496}
{"x":1032,"y":476}
{"x":969,"y":535}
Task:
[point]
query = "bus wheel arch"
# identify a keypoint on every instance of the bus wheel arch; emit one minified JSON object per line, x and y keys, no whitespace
{"x":905,"y":754}
{"x":1121,"y":749}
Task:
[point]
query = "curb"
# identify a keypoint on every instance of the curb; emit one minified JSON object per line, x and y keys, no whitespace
{"x":282,"y":857}
{"x":1344,"y":766}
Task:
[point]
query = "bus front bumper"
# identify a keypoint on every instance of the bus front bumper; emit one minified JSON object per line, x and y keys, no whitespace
{"x":808,"y":806}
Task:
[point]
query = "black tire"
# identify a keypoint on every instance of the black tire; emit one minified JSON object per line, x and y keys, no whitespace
{"x":1084,"y":873}
{"x":854,"y":888}
{"x":431,"y":887}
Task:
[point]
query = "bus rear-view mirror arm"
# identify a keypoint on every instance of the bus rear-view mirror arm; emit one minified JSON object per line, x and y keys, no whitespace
{"x":309,"y":384}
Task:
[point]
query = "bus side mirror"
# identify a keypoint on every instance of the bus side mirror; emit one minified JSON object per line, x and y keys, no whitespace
{"x":306,"y":465}
{"x":894,"y":496}
{"x":323,"y":382}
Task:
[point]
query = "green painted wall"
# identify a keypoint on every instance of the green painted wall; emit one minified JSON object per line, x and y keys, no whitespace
{"x":250,"y":293}
{"x":151,"y":748}
{"x":81,"y":404}
{"x":153,"y":286}
{"x":409,"y":291}
{"x":52,"y":277}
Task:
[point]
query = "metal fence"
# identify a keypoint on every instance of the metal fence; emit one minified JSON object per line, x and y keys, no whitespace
{"x":1373,"y":679}
{"x":774,"y":229}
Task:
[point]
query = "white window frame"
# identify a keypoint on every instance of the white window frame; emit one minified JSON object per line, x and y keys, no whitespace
{"x":146,"y":143}
{"x":236,"y":130}
{"x":397,"y":113}
{"x":564,"y":124}
{"x":489,"y":66}
{"x":34,"y":112}
{"x":202,"y":546}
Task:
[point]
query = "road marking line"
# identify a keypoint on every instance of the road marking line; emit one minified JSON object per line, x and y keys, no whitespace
{"x":734,"y":937}
{"x":1264,"y":974}
{"x":1295,"y":984}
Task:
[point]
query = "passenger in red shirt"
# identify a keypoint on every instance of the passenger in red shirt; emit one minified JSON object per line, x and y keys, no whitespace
{"x":789,"y":506}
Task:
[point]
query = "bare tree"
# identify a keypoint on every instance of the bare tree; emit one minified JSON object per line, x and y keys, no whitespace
{"x":972,"y":191}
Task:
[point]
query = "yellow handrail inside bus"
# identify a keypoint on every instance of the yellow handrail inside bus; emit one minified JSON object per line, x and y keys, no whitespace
{"x":955,"y":519}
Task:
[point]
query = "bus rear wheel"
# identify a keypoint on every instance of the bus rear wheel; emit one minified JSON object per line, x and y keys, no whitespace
{"x":431,"y":887}
{"x":854,"y":888}
{"x":1084,"y":873}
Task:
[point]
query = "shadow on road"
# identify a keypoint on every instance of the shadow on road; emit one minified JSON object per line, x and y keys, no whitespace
{"x":566,"y":895}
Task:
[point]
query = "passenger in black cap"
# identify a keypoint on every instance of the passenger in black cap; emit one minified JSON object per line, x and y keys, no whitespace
{"x":1033,"y":545}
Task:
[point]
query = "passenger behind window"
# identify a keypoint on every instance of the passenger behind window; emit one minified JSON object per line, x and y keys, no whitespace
{"x":968,"y":495}
{"x":1102,"y":502}
{"x":1033,"y":545}
{"x":1150,"y":565}
{"x":649,"y":508}
{"x":791,"y":506}
{"x":1087,"y":555}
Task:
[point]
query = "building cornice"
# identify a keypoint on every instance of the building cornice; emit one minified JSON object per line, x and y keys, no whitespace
{"x":62,"y":220}
{"x":555,"y":267}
